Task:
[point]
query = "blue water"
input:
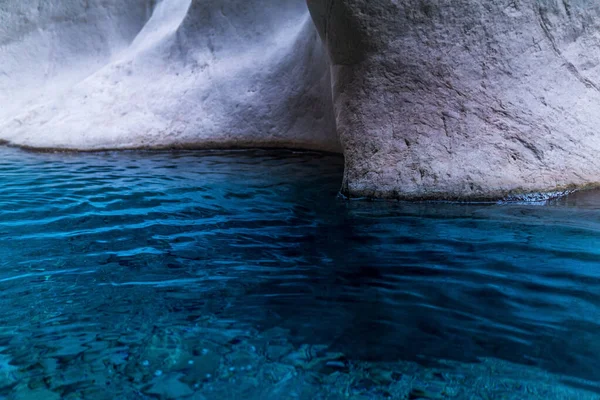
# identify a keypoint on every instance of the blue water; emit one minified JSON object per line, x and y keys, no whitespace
{"x":242,"y":275}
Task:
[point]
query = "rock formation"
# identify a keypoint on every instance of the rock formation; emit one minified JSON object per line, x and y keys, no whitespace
{"x":433,"y":99}
{"x":109,"y":74}
{"x":464,"y":99}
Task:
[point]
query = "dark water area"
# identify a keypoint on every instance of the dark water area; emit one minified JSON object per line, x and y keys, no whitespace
{"x":242,"y":275}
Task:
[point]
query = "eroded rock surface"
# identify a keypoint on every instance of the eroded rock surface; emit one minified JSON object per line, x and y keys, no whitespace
{"x":108,"y":74}
{"x":433,"y":99}
{"x":468,"y":99}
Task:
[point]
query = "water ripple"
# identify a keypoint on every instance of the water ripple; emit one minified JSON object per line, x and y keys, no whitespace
{"x":114,"y":245}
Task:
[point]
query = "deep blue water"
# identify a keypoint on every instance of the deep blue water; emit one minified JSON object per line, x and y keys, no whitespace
{"x":211,"y":275}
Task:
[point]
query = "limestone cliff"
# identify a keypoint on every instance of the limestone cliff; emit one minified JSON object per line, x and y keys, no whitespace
{"x":433,"y":99}
{"x":464,"y":99}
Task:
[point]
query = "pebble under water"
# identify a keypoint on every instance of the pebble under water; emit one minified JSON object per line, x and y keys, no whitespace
{"x":241,"y":275}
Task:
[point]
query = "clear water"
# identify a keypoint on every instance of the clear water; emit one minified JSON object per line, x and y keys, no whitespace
{"x":241,"y":275}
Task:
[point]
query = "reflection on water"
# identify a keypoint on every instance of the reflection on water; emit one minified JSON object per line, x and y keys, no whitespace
{"x":217,"y":275}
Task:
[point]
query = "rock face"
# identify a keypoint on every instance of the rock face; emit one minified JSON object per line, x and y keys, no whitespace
{"x":464,"y":99}
{"x":433,"y":99}
{"x":109,"y":74}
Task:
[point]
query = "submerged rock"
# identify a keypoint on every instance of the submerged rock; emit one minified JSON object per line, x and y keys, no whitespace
{"x":170,"y":387}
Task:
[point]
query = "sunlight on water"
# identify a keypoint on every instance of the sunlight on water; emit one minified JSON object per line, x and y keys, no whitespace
{"x":241,"y":275}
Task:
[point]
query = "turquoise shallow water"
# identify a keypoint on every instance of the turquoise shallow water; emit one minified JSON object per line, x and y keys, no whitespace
{"x":241,"y":275}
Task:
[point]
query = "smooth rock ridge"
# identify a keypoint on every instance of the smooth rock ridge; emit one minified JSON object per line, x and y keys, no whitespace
{"x":108,"y":74}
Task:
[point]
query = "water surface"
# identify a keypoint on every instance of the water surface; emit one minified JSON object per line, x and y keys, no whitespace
{"x":240,"y":274}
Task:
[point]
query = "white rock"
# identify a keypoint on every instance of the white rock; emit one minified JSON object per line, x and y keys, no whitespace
{"x":470,"y":99}
{"x":184,"y":73}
